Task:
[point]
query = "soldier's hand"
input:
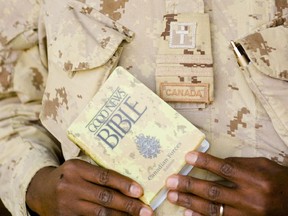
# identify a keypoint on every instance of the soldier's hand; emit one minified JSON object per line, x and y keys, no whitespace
{"x":79,"y":188}
{"x":258,"y":186}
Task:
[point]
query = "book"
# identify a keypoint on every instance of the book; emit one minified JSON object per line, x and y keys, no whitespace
{"x":126,"y":127}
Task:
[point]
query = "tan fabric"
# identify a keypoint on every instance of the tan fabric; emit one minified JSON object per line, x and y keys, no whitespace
{"x":184,"y":71}
{"x":269,"y":68}
{"x":73,"y":64}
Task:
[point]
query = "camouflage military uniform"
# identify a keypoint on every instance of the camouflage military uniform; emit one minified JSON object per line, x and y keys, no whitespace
{"x":54,"y":55}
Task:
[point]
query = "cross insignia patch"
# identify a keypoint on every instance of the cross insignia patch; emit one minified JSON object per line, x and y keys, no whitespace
{"x":182,"y":35}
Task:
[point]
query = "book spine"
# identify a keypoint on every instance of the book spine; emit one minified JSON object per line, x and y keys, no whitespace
{"x":85,"y":149}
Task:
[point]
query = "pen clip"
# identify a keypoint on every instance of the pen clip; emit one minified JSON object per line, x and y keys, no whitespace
{"x":240,"y":54}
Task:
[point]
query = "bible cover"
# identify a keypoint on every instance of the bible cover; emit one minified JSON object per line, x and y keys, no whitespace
{"x":129,"y":129}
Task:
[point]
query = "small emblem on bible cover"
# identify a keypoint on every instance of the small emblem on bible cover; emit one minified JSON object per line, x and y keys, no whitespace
{"x":148,"y":146}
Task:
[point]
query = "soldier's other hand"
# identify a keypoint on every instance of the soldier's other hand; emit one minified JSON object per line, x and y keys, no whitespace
{"x":79,"y":188}
{"x":258,"y":186}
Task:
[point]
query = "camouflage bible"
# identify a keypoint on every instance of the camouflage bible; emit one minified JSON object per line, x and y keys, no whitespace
{"x":129,"y":129}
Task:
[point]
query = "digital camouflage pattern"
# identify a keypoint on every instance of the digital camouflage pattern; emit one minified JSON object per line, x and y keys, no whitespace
{"x":84,"y":39}
{"x":71,"y":70}
{"x":184,"y":71}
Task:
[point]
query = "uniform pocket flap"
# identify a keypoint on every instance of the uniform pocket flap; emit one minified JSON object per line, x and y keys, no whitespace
{"x":268,"y":51}
{"x":96,"y":37}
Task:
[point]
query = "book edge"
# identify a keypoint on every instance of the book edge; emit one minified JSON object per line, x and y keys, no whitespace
{"x":162,"y":194}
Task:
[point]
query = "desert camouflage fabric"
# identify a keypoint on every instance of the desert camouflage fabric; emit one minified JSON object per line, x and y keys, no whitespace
{"x":184,"y":64}
{"x":54,"y":56}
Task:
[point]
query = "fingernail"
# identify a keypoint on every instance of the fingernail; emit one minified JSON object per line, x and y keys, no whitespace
{"x":188,"y":212}
{"x":191,"y":157}
{"x":172,"y":182}
{"x":173,"y":196}
{"x":135,"y":190}
{"x":146,"y":212}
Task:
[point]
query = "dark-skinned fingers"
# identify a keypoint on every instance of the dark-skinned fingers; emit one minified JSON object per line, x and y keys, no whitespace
{"x":92,"y":209}
{"x":114,"y":200}
{"x":199,"y":205}
{"x":255,"y":170}
{"x":117,"y":181}
{"x":226,"y":168}
{"x":205,"y":189}
{"x":108,"y":178}
{"x":236,"y":170}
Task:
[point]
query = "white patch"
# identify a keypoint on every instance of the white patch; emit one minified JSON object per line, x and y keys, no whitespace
{"x":182,"y":35}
